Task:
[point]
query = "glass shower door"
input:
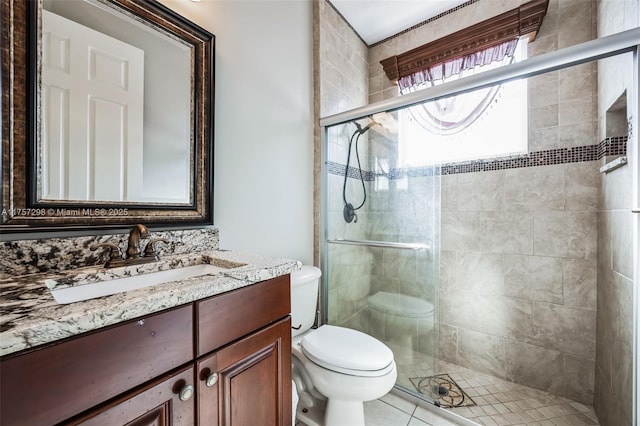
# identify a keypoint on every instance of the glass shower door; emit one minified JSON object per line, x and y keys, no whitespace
{"x":381,"y":256}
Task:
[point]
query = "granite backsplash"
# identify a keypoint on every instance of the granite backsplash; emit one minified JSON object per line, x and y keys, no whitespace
{"x":60,"y":254}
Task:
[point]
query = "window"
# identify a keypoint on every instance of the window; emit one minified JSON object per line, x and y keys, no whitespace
{"x":477,"y":125}
{"x":483,"y":124}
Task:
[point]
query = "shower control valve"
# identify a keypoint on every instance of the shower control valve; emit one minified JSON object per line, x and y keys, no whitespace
{"x":349,"y":213}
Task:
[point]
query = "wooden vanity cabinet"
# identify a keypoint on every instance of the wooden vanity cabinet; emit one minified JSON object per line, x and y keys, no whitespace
{"x":225,"y":360}
{"x":247,"y":382}
{"x":45,"y":386}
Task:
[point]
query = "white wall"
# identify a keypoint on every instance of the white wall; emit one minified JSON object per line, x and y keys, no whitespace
{"x":263,"y":178}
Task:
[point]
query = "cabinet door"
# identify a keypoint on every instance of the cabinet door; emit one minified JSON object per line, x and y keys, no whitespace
{"x":248,"y":383}
{"x":164,"y":402}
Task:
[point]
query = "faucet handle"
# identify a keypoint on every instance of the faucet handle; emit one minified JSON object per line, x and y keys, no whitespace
{"x":149,"y":249}
{"x":114,"y":253}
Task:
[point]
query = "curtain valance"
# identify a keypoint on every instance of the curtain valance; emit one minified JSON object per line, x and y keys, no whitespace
{"x":458,"y":65}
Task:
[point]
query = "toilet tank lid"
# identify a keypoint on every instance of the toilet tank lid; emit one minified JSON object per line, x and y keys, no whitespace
{"x":347,"y":348}
{"x":306,"y":273}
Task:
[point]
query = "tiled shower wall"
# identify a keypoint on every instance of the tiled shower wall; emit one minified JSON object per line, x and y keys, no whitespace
{"x":613,"y":396}
{"x":524,"y":249}
{"x":517,"y":289}
{"x":518,"y":279}
{"x":343,"y":84}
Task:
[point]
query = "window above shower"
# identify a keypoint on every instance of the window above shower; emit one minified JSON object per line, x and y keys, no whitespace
{"x":481,"y":124}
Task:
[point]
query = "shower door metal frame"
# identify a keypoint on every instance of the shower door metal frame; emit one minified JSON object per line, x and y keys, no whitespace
{"x":623,"y":42}
{"x":600,"y":48}
{"x":634,"y":144}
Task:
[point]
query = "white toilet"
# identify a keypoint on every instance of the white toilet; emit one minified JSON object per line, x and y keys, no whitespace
{"x":335,"y":369}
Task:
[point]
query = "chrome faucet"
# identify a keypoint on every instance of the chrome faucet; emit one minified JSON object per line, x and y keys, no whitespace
{"x":133,"y":246}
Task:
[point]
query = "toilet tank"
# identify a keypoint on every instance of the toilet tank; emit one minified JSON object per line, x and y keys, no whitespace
{"x":304,"y":298}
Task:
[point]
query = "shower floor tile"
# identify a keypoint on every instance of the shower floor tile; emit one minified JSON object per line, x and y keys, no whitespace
{"x":505,"y":403}
{"x":499,"y":402}
{"x":392,"y":410}
{"x":496,"y":402}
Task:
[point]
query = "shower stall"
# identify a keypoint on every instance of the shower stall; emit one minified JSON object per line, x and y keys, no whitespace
{"x":382,"y":242}
{"x":386,"y":262}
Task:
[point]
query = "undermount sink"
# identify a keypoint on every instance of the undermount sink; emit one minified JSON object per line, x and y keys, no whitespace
{"x":88,"y":291}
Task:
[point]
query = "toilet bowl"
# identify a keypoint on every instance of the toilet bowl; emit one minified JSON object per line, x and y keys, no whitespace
{"x":335,"y":369}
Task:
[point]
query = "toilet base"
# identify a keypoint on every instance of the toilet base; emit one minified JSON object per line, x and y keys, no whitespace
{"x":311,"y":416}
{"x":335,"y":413}
{"x":344,"y":413}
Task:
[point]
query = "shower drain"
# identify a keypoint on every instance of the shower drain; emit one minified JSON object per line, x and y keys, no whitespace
{"x":440,"y":390}
{"x":443,"y":389}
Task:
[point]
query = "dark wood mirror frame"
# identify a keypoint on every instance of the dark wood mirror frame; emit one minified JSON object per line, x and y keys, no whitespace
{"x":21,"y":211}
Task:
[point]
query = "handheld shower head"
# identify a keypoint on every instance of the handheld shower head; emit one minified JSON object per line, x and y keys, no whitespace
{"x":349,"y":211}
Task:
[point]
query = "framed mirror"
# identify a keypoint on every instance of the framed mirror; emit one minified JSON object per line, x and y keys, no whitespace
{"x":107,"y":116}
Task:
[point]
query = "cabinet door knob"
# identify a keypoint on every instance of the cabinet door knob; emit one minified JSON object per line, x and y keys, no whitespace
{"x":186,"y":393}
{"x":211,"y":380}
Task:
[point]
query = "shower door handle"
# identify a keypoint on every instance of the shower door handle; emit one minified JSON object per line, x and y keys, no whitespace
{"x":381,"y":244}
{"x":635,"y":210}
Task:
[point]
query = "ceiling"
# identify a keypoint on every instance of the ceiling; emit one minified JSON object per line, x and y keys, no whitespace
{"x":375,"y":20}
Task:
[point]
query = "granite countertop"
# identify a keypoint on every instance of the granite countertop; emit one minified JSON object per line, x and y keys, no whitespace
{"x":29,"y":315}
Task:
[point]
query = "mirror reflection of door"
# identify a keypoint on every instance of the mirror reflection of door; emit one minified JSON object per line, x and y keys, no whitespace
{"x":92,"y":112}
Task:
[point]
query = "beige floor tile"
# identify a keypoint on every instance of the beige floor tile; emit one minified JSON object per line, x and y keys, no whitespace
{"x":378,"y":413}
{"x":479,"y":400}
{"x":587,"y":418}
{"x":560,"y":421}
{"x":513,"y":407}
{"x":499,"y":402}
{"x":489,"y":410}
{"x":536,"y":414}
{"x":486,"y":421}
{"x":500,"y":408}
{"x":500,"y":420}
{"x":581,"y":408}
{"x":575,"y":420}
{"x":462,"y":411}
{"x":417,"y":422}
{"x":477,"y":411}
{"x":491,"y":399}
{"x":431,"y":418}
{"x":399,"y":403}
{"x":534,"y":403}
{"x":563,"y":409}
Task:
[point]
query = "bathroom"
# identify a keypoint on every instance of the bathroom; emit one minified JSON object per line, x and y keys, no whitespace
{"x":257,"y":129}
{"x":509,"y":236}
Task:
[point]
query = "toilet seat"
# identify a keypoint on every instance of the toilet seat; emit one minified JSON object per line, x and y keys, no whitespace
{"x":347,"y":351}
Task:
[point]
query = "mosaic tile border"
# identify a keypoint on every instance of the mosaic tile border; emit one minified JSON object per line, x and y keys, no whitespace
{"x":608,"y":147}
